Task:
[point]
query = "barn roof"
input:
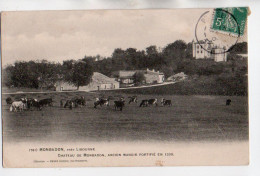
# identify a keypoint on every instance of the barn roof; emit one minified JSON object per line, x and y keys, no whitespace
{"x":131,"y":73}
{"x":102,"y":79}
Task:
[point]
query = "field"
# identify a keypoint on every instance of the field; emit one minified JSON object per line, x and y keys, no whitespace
{"x":191,"y":118}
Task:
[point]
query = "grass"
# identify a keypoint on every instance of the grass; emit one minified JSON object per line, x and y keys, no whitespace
{"x":203,"y":85}
{"x":191,"y":118}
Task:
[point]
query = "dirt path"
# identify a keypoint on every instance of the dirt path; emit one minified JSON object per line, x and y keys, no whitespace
{"x":139,"y":87}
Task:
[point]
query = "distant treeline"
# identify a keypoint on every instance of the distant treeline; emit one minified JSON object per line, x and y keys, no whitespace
{"x":174,"y":58}
{"x":44,"y":74}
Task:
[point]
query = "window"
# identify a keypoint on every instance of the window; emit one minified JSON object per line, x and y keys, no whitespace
{"x":198,"y":51}
{"x":198,"y":46}
{"x":201,"y":51}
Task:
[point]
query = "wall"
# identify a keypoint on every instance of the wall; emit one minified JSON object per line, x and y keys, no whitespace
{"x":127,"y":80}
{"x":222,"y":56}
{"x":151,"y":78}
{"x":98,"y":86}
{"x":161,"y":79}
{"x":91,"y":86}
{"x":200,"y":52}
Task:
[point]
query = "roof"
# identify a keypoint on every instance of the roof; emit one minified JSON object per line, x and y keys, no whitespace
{"x":124,"y":73}
{"x":130,"y":73}
{"x":203,"y":42}
{"x":243,"y":55}
{"x":96,"y":77}
{"x":126,"y":77}
{"x":178,"y":75}
{"x":153,"y":72}
{"x":102,"y":79}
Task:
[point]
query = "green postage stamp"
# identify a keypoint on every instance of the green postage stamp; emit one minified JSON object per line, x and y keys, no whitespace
{"x":231,"y":21}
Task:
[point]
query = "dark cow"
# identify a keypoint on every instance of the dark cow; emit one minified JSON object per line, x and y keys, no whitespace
{"x":165,"y":102}
{"x":37,"y":105}
{"x":79,"y":101}
{"x":46,"y":102}
{"x":148,"y":102}
{"x":101,"y":102}
{"x":9,"y":100}
{"x":31,"y":102}
{"x":228,"y":102}
{"x":119,"y":104}
{"x":69,"y":104}
{"x":61,"y":103}
{"x":144,"y":103}
{"x":132,"y":99}
{"x":152,"y":102}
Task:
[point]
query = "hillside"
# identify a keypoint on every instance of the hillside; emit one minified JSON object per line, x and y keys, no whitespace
{"x":203,"y":85}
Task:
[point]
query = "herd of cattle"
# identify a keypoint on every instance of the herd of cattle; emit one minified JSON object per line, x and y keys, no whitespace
{"x":28,"y":103}
{"x":31,"y":103}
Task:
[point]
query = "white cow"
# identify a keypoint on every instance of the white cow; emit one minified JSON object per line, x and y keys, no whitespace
{"x":17,"y":105}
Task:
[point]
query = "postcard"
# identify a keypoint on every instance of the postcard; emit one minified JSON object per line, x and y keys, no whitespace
{"x":153,"y":87}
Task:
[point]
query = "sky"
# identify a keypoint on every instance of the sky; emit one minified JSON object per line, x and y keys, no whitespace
{"x":62,"y":35}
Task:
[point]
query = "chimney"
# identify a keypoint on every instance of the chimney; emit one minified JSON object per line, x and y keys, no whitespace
{"x":153,"y":70}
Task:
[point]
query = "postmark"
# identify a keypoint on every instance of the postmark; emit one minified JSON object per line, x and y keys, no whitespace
{"x":218,"y":30}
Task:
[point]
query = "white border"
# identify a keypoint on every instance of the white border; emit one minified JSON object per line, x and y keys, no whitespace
{"x":254,"y":84}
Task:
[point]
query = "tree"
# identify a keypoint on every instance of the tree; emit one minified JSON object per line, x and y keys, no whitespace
{"x":177,"y":46}
{"x":7,"y":76}
{"x":81,"y":73}
{"x":151,"y":50}
{"x":118,"y":53}
{"x":189,"y":50}
{"x":167,"y":70}
{"x":239,"y":48}
{"x":139,"y":77}
{"x":47,"y":73}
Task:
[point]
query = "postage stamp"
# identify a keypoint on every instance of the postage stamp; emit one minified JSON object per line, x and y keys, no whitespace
{"x":230,"y":21}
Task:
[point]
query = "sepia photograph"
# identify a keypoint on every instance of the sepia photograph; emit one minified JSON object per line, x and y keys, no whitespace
{"x":154,"y":87}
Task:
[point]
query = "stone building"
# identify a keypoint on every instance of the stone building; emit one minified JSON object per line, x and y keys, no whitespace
{"x":127,"y":77}
{"x":98,"y":82}
{"x":207,"y":50}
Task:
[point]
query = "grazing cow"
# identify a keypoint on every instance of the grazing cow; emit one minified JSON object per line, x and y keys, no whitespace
{"x":17,"y":105}
{"x":119,"y":104}
{"x":152,"y":101}
{"x":80,"y":101}
{"x":228,"y":102}
{"x":69,"y":104}
{"x":165,"y":102}
{"x":101,"y":102}
{"x":144,"y":103}
{"x":61,"y":103}
{"x":9,"y":100}
{"x":46,"y":102}
{"x":32,"y":102}
{"x":37,"y":105}
{"x":132,"y":99}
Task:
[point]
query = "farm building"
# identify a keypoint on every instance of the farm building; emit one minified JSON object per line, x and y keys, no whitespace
{"x":98,"y":82}
{"x":152,"y":76}
{"x":128,"y":76}
{"x":178,"y":77}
